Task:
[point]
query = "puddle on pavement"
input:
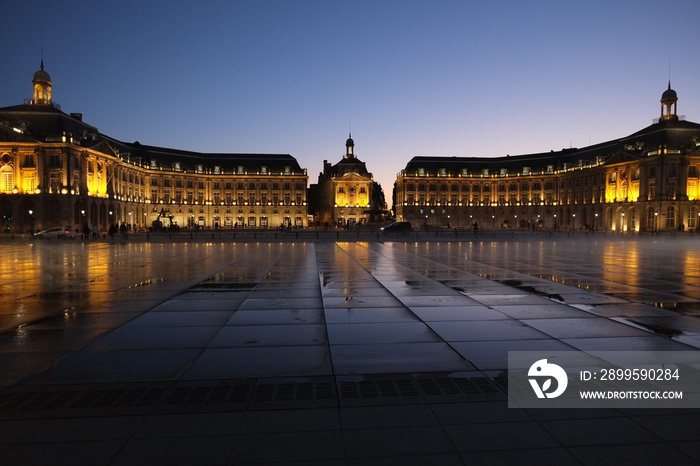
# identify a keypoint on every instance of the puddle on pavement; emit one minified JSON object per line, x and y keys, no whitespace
{"x":655,"y":325}
{"x":686,"y":308}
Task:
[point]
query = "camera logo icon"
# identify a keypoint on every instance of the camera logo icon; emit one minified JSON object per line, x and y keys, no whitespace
{"x":543,"y":373}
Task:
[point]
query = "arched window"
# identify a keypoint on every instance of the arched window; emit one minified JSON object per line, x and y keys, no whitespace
{"x":7,"y":179}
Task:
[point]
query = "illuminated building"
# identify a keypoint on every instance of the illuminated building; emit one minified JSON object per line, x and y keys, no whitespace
{"x":57,"y":170}
{"x":647,"y":181}
{"x":346,"y":193}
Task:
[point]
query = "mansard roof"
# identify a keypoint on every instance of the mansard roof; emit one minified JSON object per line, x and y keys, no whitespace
{"x":47,"y":123}
{"x":675,"y":135}
{"x":188,"y":160}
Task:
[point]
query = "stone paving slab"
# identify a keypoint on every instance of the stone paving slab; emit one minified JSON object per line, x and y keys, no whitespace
{"x":359,"y":352}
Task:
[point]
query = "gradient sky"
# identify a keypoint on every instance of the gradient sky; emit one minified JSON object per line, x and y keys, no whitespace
{"x":407,"y":77}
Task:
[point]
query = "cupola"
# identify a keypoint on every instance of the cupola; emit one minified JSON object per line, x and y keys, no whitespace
{"x":669,"y":101}
{"x":42,"y":87}
{"x":350,"y":148}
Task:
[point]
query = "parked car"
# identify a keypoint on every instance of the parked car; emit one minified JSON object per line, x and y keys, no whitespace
{"x":56,"y":232}
{"x":398,"y":227}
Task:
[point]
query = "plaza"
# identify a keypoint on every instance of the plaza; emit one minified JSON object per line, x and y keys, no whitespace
{"x":332,"y":349}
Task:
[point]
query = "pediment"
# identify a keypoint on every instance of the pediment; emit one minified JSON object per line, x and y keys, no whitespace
{"x":622,"y":157}
{"x":352,"y":177}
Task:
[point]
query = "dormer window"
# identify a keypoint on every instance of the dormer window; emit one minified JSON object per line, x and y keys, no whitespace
{"x":153,"y":165}
{"x":200,"y":168}
{"x":217,"y":170}
{"x":287,"y":170}
{"x":421,"y":172}
{"x":241,"y":170}
{"x":263,"y":170}
{"x":176,"y":166}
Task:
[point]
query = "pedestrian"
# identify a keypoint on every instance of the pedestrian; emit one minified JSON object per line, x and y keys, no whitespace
{"x":86,"y":231}
{"x":112,"y":231}
{"x":124,"y":231}
{"x":94,"y":231}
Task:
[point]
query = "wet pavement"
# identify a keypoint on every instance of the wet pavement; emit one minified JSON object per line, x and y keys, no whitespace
{"x":326,"y":352}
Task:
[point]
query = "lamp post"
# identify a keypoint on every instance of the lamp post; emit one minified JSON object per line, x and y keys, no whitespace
{"x":623,"y":226}
{"x":656,"y":221}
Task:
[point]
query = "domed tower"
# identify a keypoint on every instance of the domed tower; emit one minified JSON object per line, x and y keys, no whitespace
{"x":669,"y":100}
{"x":350,"y":148}
{"x":42,"y":87}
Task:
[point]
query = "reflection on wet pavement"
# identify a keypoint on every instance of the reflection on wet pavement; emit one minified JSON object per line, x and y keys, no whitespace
{"x":360,"y":352}
{"x":87,"y":311}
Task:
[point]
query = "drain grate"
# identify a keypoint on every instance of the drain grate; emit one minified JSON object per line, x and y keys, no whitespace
{"x":136,"y":397}
{"x":301,"y":391}
{"x":378,"y":388}
{"x":423,"y":386}
{"x":244,"y":393}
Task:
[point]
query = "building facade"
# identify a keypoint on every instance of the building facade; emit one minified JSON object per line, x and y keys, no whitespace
{"x":56,"y":170}
{"x":645,"y":182}
{"x":346,"y":194}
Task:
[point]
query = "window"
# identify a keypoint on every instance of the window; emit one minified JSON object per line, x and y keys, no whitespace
{"x":691,"y":217}
{"x":671,"y":217}
{"x":7,"y":180}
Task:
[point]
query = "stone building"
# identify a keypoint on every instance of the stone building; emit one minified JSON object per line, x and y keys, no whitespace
{"x":647,"y":181}
{"x":346,"y":194}
{"x":57,"y":170}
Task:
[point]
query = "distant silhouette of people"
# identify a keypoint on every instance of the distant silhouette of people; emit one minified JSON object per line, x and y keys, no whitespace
{"x":124,"y":231}
{"x":86,"y":231}
{"x":94,"y":231}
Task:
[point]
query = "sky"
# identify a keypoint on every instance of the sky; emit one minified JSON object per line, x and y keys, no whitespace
{"x":407,"y":77}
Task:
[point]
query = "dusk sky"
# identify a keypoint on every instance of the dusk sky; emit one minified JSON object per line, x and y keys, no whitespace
{"x":408,"y":78}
